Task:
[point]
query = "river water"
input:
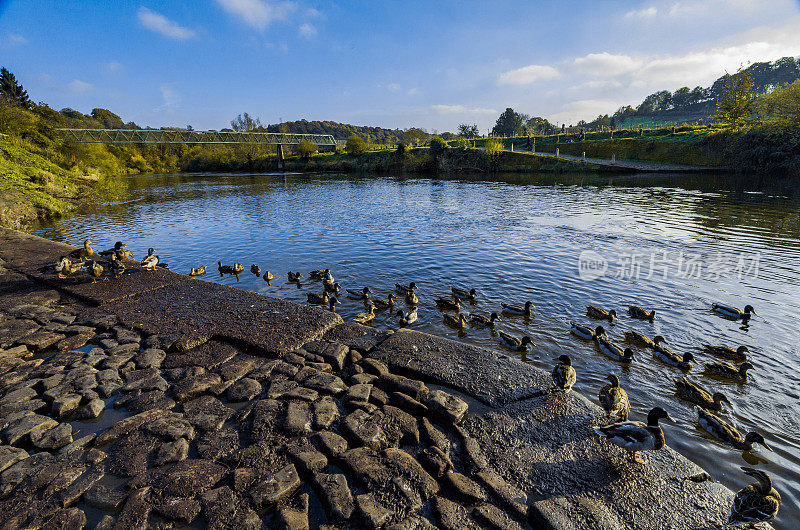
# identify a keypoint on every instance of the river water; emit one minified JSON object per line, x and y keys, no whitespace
{"x":671,"y":243}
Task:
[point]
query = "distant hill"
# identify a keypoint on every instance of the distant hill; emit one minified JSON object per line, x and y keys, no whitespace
{"x":340,"y":131}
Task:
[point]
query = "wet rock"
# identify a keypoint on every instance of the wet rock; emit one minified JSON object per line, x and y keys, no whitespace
{"x":67,"y":519}
{"x":172,"y":452}
{"x":126,"y":336}
{"x":294,"y":358}
{"x":276,"y":488}
{"x":21,"y":394}
{"x":108,"y":389}
{"x":77,"y":489}
{"x":412,"y":522}
{"x":12,"y":330}
{"x":192,"y":387}
{"x":93,"y":409}
{"x":152,"y":382}
{"x":74,"y":329}
{"x":104,"y":498}
{"x":334,"y":353}
{"x":238,"y":367}
{"x":358,"y":393}
{"x":78,"y":445}
{"x":398,"y":383}
{"x":32,"y":405}
{"x":51,"y":382}
{"x":150,"y":358}
{"x":446,"y":406}
{"x":40,"y":340}
{"x":193,"y":476}
{"x":301,"y":393}
{"x":54,"y":438}
{"x":472,"y":455}
{"x":149,"y":400}
{"x":218,"y":445}
{"x":435,"y":461}
{"x":321,"y":381}
{"x":266,"y":418}
{"x":25,"y":426}
{"x":363,"y":379}
{"x":136,"y":511}
{"x":206,"y":413}
{"x":464,"y":488}
{"x":126,"y":425}
{"x":452,"y":516}
{"x":130,"y":455}
{"x":361,"y":338}
{"x":279,"y":388}
{"x":330,"y":443}
{"x":178,"y":374}
{"x":21,"y":470}
{"x":511,"y":498}
{"x":364,"y":429}
{"x":219,"y":507}
{"x":294,"y":517}
{"x":374,"y":366}
{"x":244,"y":390}
{"x":179,"y":509}
{"x":106,"y":523}
{"x":95,"y":456}
{"x":372,"y":513}
{"x":308,"y":459}
{"x":326,"y":412}
{"x":73,"y":342}
{"x":407,"y":403}
{"x":113,"y":348}
{"x":335,"y":495}
{"x":400,"y":426}
{"x":170,"y":425}
{"x":494,"y":517}
{"x":379,"y":397}
{"x":298,"y":418}
{"x":66,"y":404}
{"x":10,"y":456}
{"x":116,"y":362}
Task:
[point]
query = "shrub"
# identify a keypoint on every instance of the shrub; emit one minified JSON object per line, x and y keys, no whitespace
{"x":355,"y":146}
{"x":493,"y":146}
{"x":306,"y":148}
{"x":401,"y":149}
{"x":437,"y":146}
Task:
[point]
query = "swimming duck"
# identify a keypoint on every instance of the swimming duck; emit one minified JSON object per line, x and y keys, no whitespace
{"x":407,"y":318}
{"x":384,"y":304}
{"x":464,"y":294}
{"x":116,"y":266}
{"x":585,"y":332}
{"x":670,"y":357}
{"x":411,"y":298}
{"x":697,"y":395}
{"x":150,"y":261}
{"x":614,"y":351}
{"x":328,"y":277}
{"x":482,"y":321}
{"x":614,"y":399}
{"x":738,"y":354}
{"x":332,"y":287}
{"x":96,"y":271}
{"x":513,"y":309}
{"x":641,"y":314}
{"x":734,"y":312}
{"x":721,"y":429}
{"x":564,"y":374}
{"x":332,"y":301}
{"x":404,"y":289}
{"x":318,"y":274}
{"x":238,"y":268}
{"x":634,"y":337}
{"x":728,"y":370}
{"x":321,"y":299}
{"x":363,"y":294}
{"x":199,"y":271}
{"x":458,"y":322}
{"x":294,"y":277}
{"x":224,"y":269}
{"x":255,"y":269}
{"x":83,"y":254}
{"x":448,"y":304}
{"x":513,"y":343}
{"x":268,"y":276}
{"x":365,"y":318}
{"x":756,"y":503}
{"x":599,"y":313}
{"x":635,"y":436}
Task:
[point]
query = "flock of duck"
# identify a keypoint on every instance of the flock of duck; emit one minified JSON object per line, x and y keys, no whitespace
{"x":758,"y":502}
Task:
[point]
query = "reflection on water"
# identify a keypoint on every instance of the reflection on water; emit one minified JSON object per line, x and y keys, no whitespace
{"x":672,"y":243}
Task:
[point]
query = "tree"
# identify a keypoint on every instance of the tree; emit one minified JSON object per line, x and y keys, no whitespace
{"x":108,"y":119}
{"x":738,"y":99}
{"x":468,"y":131}
{"x":13,"y":91}
{"x":437,"y":146}
{"x":415,"y":136}
{"x":539,"y":125}
{"x":245,"y":123}
{"x":355,"y":145}
{"x":306,"y":148}
{"x":508,"y":123}
{"x":782,"y":105}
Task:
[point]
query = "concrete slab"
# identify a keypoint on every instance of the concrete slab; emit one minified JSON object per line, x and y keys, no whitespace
{"x":477,"y":372}
{"x":356,"y":336}
{"x":20,"y":250}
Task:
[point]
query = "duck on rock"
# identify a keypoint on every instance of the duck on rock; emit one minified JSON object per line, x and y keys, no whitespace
{"x":564,"y":375}
{"x":614,"y":399}
{"x":636,"y":436}
{"x":756,"y":503}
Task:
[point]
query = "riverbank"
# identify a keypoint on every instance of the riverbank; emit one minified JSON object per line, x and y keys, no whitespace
{"x":156,"y":398}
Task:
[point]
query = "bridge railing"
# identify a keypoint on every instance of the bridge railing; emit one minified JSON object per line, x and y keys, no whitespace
{"x":167,"y":136}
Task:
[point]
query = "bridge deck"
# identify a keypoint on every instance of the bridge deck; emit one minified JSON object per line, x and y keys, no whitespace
{"x":167,"y":136}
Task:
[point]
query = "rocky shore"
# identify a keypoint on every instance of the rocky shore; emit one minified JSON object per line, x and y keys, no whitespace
{"x":158,"y":401}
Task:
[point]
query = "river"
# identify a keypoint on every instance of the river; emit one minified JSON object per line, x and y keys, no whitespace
{"x":673,"y":243}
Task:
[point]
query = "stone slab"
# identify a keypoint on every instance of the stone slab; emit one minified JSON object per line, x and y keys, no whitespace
{"x":499,"y":381}
{"x":356,"y":336}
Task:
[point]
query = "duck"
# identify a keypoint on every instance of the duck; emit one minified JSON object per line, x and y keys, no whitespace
{"x":458,"y":322}
{"x":756,"y":503}
{"x":321,"y":299}
{"x":238,"y":268}
{"x":614,"y":399}
{"x":116,"y":266}
{"x":332,"y":287}
{"x":365,"y":318}
{"x":255,"y":269}
{"x":448,"y":304}
{"x":724,"y":431}
{"x":695,"y":394}
{"x":641,"y":314}
{"x":407,"y":317}
{"x":363,"y":294}
{"x":118,"y":246}
{"x":96,"y":271}
{"x":733,"y":312}
{"x":85,"y":253}
{"x":65,"y":267}
{"x":294,"y":277}
{"x":404,"y":289}
{"x":464,"y":294}
{"x":199,"y":271}
{"x":268,"y":276}
{"x":636,"y":436}
{"x":513,"y":309}
{"x":614,"y":351}
{"x":384,"y":304}
{"x":332,"y":301}
{"x":564,"y":375}
{"x":601,"y":314}
{"x":738,"y":354}
{"x":411,"y":298}
{"x":670,"y":357}
{"x":318,"y":274}
{"x":328,"y":277}
{"x":638,"y":339}
{"x":150,"y":261}
{"x":513,"y":343}
{"x":728,"y":370}
{"x":224,"y":269}
{"x":585,"y":332}
{"x":482,"y":321}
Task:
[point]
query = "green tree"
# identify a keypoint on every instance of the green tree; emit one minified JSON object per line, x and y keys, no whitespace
{"x":738,"y":99}
{"x":437,"y":146}
{"x":13,"y":91}
{"x":539,"y":125}
{"x":245,"y":123}
{"x":355,"y":145}
{"x":108,"y":119}
{"x":782,"y":105}
{"x":306,"y":148}
{"x":466,"y":130}
{"x":415,"y":136}
{"x":508,"y":123}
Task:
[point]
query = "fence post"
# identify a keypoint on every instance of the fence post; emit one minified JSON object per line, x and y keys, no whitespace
{"x":614,"y":158}
{"x":556,"y":152}
{"x":584,"y":155}
{"x":533,"y":149}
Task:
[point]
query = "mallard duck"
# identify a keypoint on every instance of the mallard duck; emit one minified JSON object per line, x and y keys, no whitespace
{"x":599,"y":313}
{"x":411,"y":298}
{"x":734,"y":312}
{"x":118,"y":246}
{"x":116,"y":266}
{"x":238,"y":268}
{"x":365,"y":318}
{"x":294,"y":277}
{"x":738,"y":354}
{"x":363,"y":294}
{"x":150,"y":261}
{"x":268,"y":276}
{"x":635,"y":436}
{"x":83,"y":254}
{"x":384,"y":304}
{"x":255,"y":269}
{"x":318,"y":274}
{"x":641,"y":314}
{"x":448,"y":304}
{"x":585,"y":332}
{"x":756,"y":503}
{"x":332,"y":287}
{"x":332,"y":301}
{"x":636,"y":338}
{"x":404,"y":289}
{"x":513,"y":309}
{"x":614,"y":351}
{"x":614,"y":399}
{"x":697,"y":395}
{"x":728,"y":370}
{"x":513,"y":343}
{"x":458,"y":322}
{"x":224,"y":269}
{"x":670,"y":357}
{"x":321,"y":299}
{"x":464,"y":294}
{"x":199,"y":271}
{"x":96,"y":271}
{"x":482,"y":321}
{"x":721,"y":429}
{"x":328,"y":277}
{"x":407,"y":318}
{"x":63,"y":267}
{"x":564,"y":375}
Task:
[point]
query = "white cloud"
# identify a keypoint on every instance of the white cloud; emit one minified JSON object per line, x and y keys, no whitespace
{"x":527,"y":75}
{"x":258,"y":13}
{"x":413,"y":91}
{"x":170,"y":97}
{"x":648,"y":12}
{"x":307,"y":30}
{"x":459,"y":109}
{"x":112,"y":68}
{"x":392,"y":87}
{"x":313,"y":13}
{"x":12,"y":40}
{"x":585,"y":109}
{"x":605,"y":64}
{"x":162,"y":25}
{"x":78,"y":86}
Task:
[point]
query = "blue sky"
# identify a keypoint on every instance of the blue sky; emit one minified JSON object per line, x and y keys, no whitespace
{"x":391,"y":64}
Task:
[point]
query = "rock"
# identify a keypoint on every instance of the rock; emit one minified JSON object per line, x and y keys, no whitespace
{"x":108,"y":375}
{"x":361,"y":338}
{"x":446,"y":406}
{"x":180,"y":509}
{"x":21,"y":394}
{"x":334,"y":353}
{"x":435,"y":461}
{"x":266,"y":419}
{"x":279,"y":388}
{"x":126,"y":425}
{"x":106,"y":523}
{"x":54,"y":438}
{"x":153,"y":382}
{"x":115,"y":362}
{"x":374,"y":366}
{"x":238,"y":367}
{"x":219,"y":507}
{"x":126,"y":336}
{"x":362,"y":379}
{"x":298,"y":418}
{"x":114,"y":348}
{"x":73,"y":342}
{"x":326,"y":412}
{"x":149,"y":400}
{"x":218,"y":445}
{"x":244,"y":390}
{"x":294,"y":518}
{"x":472,"y":455}
{"x":372,"y":513}
{"x":21,"y":470}
{"x":67,"y":519}
{"x":136,"y":511}
{"x":364,"y":429}
{"x":170,"y":425}
{"x":93,"y":409}
{"x":512,"y":499}
{"x":207,"y":413}
{"x":494,"y":517}
{"x":10,"y":456}
{"x":172,"y":452}
{"x":358,"y":393}
{"x":76,"y":490}
{"x":104,"y":498}
{"x":307,"y":459}
{"x":40,"y":340}
{"x":335,"y":495}
{"x":379,"y":397}
{"x":412,"y":522}
{"x":51,"y":382}
{"x":321,"y":381}
{"x":302,"y":393}
{"x":193,"y":476}
{"x":78,"y":445}
{"x":464,"y":488}
{"x":407,"y":403}
{"x":192,"y":387}
{"x":32,"y":405}
{"x":95,"y":456}
{"x":108,"y":389}
{"x":400,"y":426}
{"x":132,"y":454}
{"x":276,"y":488}
{"x":150,"y":358}
{"x":398,"y":383}
{"x":330,"y":443}
{"x":27,"y":425}
{"x":65,"y":404}
{"x":452,"y":516}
